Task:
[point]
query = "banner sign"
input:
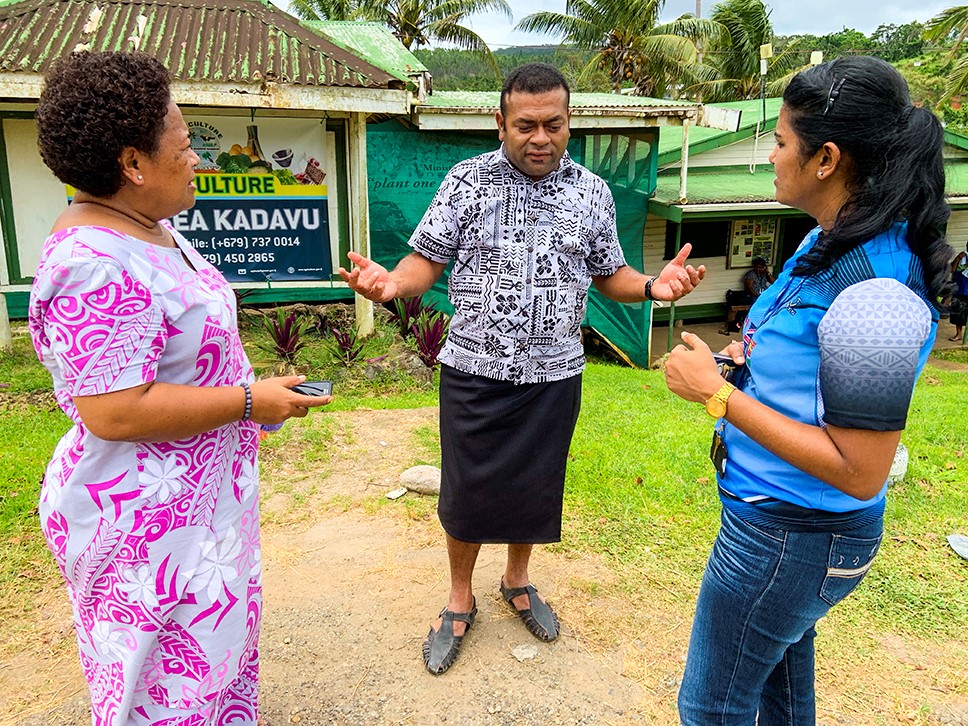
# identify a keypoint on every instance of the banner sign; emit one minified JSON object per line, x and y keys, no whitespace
{"x":260,"y":215}
{"x":255,"y":229}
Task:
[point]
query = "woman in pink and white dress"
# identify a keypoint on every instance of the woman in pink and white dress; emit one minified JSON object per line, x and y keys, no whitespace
{"x":150,"y":503}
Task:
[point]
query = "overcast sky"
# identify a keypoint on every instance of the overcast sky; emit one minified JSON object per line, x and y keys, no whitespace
{"x":818,"y":17}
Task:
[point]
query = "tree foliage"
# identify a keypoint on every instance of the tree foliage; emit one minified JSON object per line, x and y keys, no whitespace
{"x":628,"y":42}
{"x":890,"y":42}
{"x":734,"y":61}
{"x":417,"y":23}
{"x":455,"y":70}
{"x":897,"y":42}
{"x":951,"y":25}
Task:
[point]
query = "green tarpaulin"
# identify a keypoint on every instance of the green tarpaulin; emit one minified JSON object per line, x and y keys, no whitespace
{"x":406,"y":166}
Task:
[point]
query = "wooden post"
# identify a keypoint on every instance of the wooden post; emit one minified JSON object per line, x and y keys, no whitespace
{"x":359,"y":211}
{"x":6,"y":339}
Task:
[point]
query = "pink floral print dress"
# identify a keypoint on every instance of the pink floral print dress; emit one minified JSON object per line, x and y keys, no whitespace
{"x":158,"y":542}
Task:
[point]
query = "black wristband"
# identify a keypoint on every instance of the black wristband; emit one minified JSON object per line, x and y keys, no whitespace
{"x":248,"y":402}
{"x":648,"y":289}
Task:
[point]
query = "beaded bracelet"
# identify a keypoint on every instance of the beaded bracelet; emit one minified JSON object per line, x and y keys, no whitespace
{"x":248,"y":402}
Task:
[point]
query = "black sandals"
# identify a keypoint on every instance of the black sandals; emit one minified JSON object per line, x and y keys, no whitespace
{"x":441,"y":647}
{"x":539,"y":618}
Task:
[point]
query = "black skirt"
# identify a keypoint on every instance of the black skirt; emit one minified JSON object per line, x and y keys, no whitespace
{"x":504,"y":448}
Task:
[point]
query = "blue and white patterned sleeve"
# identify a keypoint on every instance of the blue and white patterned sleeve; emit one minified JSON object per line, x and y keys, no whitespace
{"x":870,"y":340}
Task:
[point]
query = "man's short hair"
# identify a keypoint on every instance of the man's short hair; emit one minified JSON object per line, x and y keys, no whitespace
{"x":759,"y":261}
{"x":533,"y":78}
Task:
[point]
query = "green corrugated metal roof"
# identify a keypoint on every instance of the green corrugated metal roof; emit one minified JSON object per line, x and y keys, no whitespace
{"x":956,"y":139}
{"x":463,"y":99}
{"x":702,"y":138}
{"x":373,"y":42}
{"x":728,"y":186}
{"x":718,"y":187}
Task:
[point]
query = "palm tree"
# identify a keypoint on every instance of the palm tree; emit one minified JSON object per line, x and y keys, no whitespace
{"x":628,"y":41}
{"x":735,"y":60}
{"x":415,"y":22}
{"x":418,"y":22}
{"x":953,"y":21}
{"x":330,"y":10}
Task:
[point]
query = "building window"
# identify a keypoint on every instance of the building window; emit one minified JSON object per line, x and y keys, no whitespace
{"x":708,"y":239}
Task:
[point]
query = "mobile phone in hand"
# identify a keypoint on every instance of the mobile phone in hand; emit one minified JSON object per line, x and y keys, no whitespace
{"x":314,"y":388}
{"x":727,"y":367}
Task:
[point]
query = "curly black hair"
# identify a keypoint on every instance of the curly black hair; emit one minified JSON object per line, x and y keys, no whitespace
{"x":94,"y":105}
{"x":533,"y":78}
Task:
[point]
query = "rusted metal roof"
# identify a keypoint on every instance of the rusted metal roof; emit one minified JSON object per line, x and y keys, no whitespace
{"x":223,"y":41}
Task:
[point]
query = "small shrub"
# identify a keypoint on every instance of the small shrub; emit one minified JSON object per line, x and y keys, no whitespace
{"x":346,"y":347}
{"x":408,"y":309}
{"x":287,"y":335}
{"x":430,"y":334}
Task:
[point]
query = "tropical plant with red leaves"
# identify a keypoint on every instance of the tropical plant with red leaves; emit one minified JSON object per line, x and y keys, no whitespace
{"x":407,"y":310}
{"x":430,"y":334}
{"x":286,"y":333}
{"x":345,"y":346}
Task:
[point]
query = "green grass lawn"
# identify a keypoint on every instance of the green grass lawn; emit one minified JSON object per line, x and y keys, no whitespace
{"x":640,"y":489}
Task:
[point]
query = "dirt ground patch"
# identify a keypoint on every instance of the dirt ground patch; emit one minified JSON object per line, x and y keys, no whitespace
{"x":352,"y":582}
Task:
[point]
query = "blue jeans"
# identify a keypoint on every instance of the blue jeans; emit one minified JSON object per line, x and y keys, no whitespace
{"x":751,"y":649}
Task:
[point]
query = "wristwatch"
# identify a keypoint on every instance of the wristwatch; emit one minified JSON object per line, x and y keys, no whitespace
{"x":716,"y":405}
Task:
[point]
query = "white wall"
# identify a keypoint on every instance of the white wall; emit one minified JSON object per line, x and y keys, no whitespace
{"x":37,"y":196}
{"x":718,"y":279}
{"x":953,"y":152}
{"x":739,"y":154}
{"x":958,"y":229}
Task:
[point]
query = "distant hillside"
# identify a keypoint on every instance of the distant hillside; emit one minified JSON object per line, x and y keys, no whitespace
{"x":532,"y":50}
{"x":460,"y":70}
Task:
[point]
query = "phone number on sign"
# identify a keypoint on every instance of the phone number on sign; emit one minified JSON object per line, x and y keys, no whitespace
{"x":244,"y":243}
{"x":235,"y":258}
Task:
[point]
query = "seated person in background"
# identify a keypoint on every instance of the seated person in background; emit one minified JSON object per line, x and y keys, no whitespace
{"x":738,"y":301}
{"x":758,"y":279}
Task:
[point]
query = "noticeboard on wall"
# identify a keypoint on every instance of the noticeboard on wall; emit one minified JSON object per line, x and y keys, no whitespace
{"x":751,"y":238}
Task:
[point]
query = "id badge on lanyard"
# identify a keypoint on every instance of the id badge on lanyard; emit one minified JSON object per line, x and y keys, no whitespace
{"x":717,"y":452}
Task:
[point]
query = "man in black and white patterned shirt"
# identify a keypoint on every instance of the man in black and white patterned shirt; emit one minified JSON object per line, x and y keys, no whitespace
{"x":528,"y":231}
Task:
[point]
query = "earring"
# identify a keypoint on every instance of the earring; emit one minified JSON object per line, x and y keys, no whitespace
{"x":140,"y":178}
{"x":819,"y":175}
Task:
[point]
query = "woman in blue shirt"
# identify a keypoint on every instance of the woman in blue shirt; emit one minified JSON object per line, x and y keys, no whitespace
{"x":805,"y":440}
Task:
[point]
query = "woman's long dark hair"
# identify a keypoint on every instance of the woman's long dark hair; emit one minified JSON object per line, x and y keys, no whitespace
{"x":893,"y":158}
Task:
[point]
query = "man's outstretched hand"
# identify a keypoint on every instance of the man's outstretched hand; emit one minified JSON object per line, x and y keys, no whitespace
{"x":369,"y":279}
{"x":677,"y":278}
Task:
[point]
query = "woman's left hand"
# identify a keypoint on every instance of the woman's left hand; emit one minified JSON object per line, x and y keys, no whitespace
{"x":691,"y":373}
